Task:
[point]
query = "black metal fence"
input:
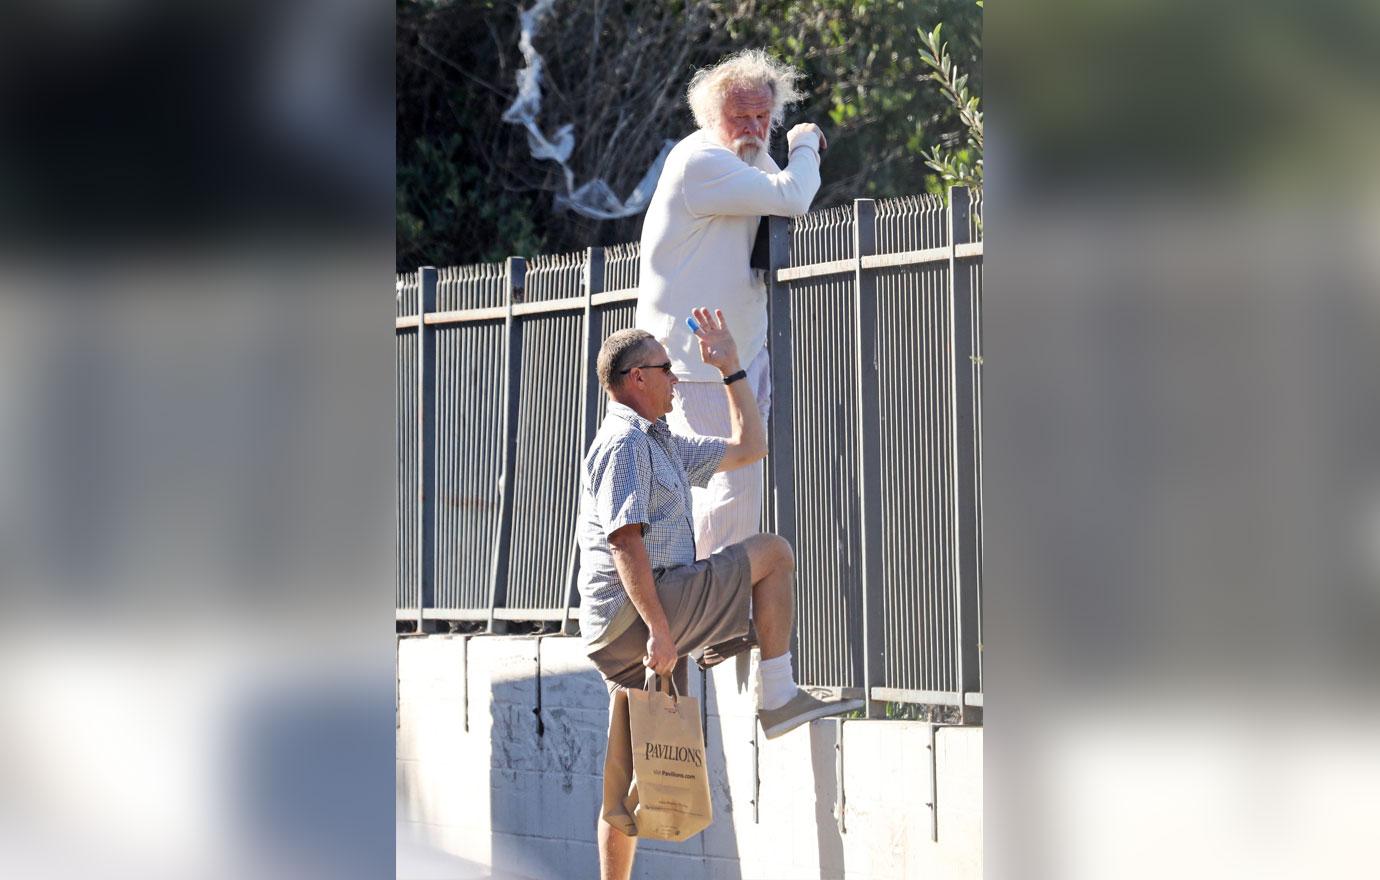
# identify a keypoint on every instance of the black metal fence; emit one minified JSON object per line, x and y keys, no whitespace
{"x":874,"y":473}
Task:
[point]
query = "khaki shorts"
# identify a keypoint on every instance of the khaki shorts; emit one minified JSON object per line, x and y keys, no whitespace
{"x":705,"y":602}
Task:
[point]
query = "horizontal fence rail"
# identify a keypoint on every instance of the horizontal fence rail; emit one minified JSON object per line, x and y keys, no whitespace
{"x":874,"y":472}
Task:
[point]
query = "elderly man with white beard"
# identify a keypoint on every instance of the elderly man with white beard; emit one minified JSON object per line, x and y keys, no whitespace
{"x":697,"y":241}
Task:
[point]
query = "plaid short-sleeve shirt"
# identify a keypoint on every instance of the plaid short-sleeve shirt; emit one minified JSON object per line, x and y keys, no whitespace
{"x":636,"y":471}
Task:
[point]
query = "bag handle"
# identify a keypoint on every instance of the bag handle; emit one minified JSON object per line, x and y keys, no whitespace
{"x":664,"y":683}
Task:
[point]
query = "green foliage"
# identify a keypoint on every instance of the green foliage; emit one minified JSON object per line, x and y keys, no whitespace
{"x":440,"y":195}
{"x":931,"y":712}
{"x":469,"y":190}
{"x":864,"y":77}
{"x":957,"y":167}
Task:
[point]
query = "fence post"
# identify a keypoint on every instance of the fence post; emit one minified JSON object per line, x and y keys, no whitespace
{"x":515,"y":271}
{"x":963,"y":427}
{"x":589,"y":408}
{"x":869,"y":451}
{"x":426,"y":445}
{"x":780,"y":458}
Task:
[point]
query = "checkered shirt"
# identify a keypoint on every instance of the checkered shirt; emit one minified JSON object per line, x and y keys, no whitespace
{"x":636,"y":471}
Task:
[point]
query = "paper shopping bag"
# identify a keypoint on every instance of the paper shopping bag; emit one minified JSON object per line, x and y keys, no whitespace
{"x":620,"y":792}
{"x":669,"y":796}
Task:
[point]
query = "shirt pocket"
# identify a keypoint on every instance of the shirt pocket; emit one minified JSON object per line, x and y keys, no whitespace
{"x":668,"y":493}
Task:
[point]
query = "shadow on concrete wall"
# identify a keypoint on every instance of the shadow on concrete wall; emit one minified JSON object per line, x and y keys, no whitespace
{"x":718,"y":842}
{"x":501,"y":746}
{"x":500,"y":754}
{"x":548,"y":735}
{"x":825,"y":742}
{"x":774,"y":794}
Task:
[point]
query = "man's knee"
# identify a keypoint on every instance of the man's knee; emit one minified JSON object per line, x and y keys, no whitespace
{"x":784,"y":554}
{"x":769,"y":554}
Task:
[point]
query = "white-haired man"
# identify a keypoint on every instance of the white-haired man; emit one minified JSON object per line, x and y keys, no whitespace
{"x":697,"y":240}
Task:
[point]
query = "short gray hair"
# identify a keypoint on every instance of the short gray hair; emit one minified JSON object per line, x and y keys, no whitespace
{"x":750,"y":68}
{"x":616,"y":352}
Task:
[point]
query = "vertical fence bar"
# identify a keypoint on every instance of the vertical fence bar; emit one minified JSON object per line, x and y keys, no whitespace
{"x":426,"y":444}
{"x":963,"y":427}
{"x":515,"y":271}
{"x":593,"y":278}
{"x":780,"y":458}
{"x":873,"y":669}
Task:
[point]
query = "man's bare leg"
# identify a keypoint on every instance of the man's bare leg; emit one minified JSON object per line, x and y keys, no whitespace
{"x":773,"y":601}
{"x":782,"y":704}
{"x":616,"y":851}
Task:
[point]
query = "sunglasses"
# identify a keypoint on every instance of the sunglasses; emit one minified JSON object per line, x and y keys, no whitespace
{"x":665,"y":368}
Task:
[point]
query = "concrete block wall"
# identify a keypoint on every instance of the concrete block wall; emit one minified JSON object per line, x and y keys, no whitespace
{"x":477,"y":779}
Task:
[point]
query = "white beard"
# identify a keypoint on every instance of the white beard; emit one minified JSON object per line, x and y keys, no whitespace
{"x":747,"y":148}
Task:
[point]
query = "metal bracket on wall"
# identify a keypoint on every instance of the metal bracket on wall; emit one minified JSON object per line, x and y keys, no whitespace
{"x":933,"y":802}
{"x":756,"y":774}
{"x":541,"y":727}
{"x":838,"y":776}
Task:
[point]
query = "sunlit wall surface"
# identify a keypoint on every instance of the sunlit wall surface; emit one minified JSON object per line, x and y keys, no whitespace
{"x":196,"y":440}
{"x":1182,"y":474}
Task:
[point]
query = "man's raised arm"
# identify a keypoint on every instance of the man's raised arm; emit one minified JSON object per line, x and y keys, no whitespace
{"x":719,"y":183}
{"x":748,"y":442}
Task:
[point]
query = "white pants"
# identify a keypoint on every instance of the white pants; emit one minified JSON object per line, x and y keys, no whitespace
{"x":729,"y":509}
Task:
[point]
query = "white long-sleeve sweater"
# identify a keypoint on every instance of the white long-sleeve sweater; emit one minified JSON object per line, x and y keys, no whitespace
{"x":697,"y":240}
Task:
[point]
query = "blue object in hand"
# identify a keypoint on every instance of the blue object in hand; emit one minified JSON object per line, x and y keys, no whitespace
{"x":693,"y":325}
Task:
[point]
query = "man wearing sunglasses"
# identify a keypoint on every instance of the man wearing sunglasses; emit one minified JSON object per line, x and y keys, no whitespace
{"x":645,"y":602}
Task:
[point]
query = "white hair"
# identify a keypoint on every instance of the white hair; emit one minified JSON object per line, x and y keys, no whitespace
{"x":751,"y":69}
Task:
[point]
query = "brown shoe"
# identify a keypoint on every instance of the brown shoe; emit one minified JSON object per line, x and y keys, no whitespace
{"x":803,"y":707}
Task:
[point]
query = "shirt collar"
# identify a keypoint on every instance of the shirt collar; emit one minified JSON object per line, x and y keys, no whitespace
{"x":628,"y":414}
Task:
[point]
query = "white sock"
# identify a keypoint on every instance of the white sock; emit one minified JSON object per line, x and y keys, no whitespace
{"x":778,"y":684}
